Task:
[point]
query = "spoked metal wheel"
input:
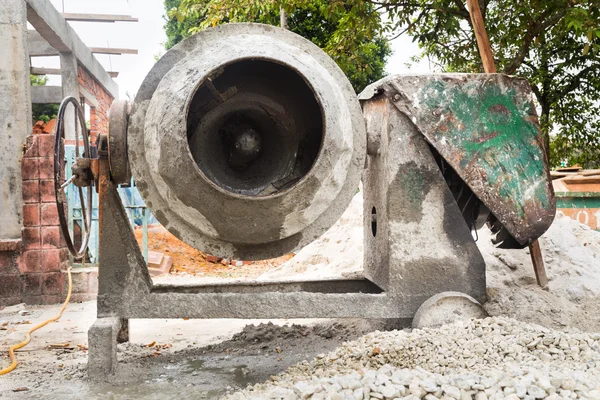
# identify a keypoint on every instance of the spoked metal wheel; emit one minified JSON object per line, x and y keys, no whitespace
{"x":81,"y":177}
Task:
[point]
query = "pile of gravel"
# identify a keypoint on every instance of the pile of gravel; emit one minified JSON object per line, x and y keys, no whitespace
{"x":493,"y":358}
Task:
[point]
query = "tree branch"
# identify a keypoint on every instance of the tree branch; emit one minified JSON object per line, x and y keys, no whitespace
{"x":534,"y":30}
{"x":576,"y":80}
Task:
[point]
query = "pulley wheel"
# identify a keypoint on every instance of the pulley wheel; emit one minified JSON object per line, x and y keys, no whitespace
{"x":80,"y":177}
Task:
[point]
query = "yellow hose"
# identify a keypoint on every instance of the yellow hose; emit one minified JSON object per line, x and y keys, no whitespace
{"x":11,"y":350}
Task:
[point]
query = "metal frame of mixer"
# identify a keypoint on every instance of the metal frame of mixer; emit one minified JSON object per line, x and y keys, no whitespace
{"x":417,"y":240}
{"x":126,"y":289}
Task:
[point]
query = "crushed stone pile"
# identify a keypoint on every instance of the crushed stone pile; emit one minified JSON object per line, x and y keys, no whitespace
{"x":571,"y":253}
{"x":493,"y":358}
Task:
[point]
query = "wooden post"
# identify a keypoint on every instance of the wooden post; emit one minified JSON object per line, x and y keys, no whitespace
{"x":489,"y":67}
{"x":538,"y":264}
{"x":485,"y":51}
{"x":282,"y":18}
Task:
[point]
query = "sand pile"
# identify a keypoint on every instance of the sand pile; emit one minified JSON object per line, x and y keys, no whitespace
{"x":337,"y":253}
{"x":571,"y":252}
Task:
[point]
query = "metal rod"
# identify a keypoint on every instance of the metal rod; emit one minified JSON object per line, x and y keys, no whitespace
{"x":145,"y":233}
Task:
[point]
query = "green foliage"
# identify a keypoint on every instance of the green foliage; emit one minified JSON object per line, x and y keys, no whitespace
{"x":42,"y":112}
{"x":361,"y":55}
{"x":555,"y":44}
{"x":38,"y":80}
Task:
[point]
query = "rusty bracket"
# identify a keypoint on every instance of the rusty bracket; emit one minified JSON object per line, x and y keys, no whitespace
{"x":82,"y":172}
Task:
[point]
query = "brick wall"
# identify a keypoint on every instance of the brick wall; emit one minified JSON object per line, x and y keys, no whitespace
{"x":98,"y":115}
{"x":34,"y":273}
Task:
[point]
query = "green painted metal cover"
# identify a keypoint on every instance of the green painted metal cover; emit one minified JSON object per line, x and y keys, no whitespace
{"x":485,"y":126}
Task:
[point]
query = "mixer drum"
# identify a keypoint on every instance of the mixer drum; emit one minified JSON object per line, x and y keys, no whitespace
{"x":246,"y":141}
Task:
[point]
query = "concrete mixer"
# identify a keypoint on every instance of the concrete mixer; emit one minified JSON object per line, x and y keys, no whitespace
{"x":248,"y":142}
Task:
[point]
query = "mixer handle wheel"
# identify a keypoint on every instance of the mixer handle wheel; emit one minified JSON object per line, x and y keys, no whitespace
{"x":81,"y":177}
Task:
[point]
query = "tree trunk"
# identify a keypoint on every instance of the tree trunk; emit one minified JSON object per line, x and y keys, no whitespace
{"x":545,"y":126}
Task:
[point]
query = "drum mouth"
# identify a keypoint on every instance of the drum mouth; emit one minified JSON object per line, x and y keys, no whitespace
{"x":255,"y":127}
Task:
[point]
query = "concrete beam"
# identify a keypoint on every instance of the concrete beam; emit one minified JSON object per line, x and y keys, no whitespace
{"x":110,"y":50}
{"x":70,"y":87}
{"x":46,"y":94}
{"x":98,"y":17}
{"x":44,"y":71}
{"x":15,"y":114}
{"x":38,"y":46}
{"x":56,"y":71}
{"x":54,"y":28}
{"x":90,"y":100}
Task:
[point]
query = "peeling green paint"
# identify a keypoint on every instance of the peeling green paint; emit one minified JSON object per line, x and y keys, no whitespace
{"x":491,"y":127}
{"x":578,"y":202}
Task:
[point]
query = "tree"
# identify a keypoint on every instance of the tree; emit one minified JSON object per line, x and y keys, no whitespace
{"x":312,"y":19}
{"x":42,"y":112}
{"x":555,"y":44}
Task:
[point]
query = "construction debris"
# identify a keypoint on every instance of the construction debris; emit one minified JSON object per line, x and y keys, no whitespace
{"x":578,"y":194}
{"x":186,"y":261}
{"x":159,"y":263}
{"x":42,"y":127}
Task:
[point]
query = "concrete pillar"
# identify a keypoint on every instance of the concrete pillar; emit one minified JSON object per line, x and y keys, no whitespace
{"x":70,"y":86}
{"x":15,"y":113}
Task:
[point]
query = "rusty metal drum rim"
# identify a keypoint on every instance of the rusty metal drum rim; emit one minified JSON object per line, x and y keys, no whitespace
{"x":182,"y":227}
{"x":117,"y":142}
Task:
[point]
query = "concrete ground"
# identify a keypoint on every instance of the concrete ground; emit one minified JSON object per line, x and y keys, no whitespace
{"x":165,"y":359}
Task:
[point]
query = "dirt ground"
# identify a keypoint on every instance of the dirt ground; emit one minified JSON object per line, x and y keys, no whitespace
{"x":189,"y":261}
{"x":165,"y":359}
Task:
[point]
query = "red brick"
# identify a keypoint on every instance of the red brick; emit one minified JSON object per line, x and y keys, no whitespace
{"x":49,"y":215}
{"x":32,"y":300}
{"x":10,"y":244}
{"x":53,"y":299}
{"x":52,"y":283}
{"x":31,"y":284}
{"x":51,"y":237}
{"x":31,"y":191}
{"x":11,"y":286}
{"x":31,"y":146}
{"x":46,"y":145}
{"x":31,"y":238}
{"x":46,"y":168}
{"x":30,"y":261}
{"x":47,"y":191}
{"x":212,"y":259}
{"x":31,"y":215}
{"x":8,"y":263}
{"x":9,"y":301}
{"x":30,"y":169}
{"x":51,"y":260}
